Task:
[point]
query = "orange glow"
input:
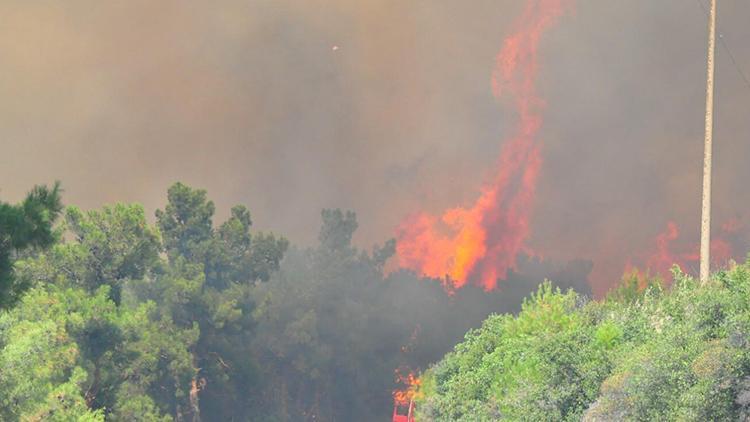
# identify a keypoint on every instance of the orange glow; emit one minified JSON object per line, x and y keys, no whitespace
{"x":410,"y":382}
{"x":479,"y":243}
{"x":668,"y":251}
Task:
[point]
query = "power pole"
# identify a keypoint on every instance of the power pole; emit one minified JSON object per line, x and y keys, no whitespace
{"x":706,"y":205}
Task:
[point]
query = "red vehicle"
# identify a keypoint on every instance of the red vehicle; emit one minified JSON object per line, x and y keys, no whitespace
{"x":400,"y":417}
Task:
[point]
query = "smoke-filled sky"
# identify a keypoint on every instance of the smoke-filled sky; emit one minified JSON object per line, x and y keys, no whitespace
{"x":383,"y":107}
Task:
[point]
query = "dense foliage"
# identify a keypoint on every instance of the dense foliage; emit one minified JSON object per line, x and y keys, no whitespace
{"x":187,"y":320}
{"x":643,"y":354}
{"x":113,"y":328}
{"x":25,"y":226}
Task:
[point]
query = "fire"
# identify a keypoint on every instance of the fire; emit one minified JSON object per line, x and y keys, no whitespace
{"x":403,"y":397}
{"x":478,"y":244}
{"x":668,"y":251}
{"x":410,"y":383}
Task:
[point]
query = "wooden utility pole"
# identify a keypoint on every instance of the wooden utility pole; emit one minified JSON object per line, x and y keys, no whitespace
{"x":706,"y":202}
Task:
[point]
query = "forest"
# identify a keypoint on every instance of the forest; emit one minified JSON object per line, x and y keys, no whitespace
{"x":107,"y":316}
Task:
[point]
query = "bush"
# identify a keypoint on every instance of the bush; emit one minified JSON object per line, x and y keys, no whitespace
{"x":644,"y":353}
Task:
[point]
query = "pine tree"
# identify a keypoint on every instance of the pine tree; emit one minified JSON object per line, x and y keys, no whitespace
{"x":28,"y":225}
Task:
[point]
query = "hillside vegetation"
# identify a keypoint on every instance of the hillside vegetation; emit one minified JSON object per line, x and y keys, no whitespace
{"x":107,"y":316}
{"x":645,"y":353}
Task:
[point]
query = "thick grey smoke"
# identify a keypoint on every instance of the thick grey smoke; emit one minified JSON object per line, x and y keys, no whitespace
{"x":379,"y":106}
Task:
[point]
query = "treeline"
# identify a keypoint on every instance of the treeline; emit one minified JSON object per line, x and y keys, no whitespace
{"x":644,"y":353}
{"x":109,"y":317}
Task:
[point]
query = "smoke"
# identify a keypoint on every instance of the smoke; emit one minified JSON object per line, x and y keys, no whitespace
{"x":251,"y":101}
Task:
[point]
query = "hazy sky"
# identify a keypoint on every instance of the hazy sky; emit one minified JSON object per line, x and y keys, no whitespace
{"x":383,"y":107}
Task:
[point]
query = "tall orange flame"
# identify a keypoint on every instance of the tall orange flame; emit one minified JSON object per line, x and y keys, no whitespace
{"x":480,"y":243}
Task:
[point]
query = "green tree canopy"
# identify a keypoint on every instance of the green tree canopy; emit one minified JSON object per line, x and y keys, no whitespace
{"x":643,"y":354}
{"x":25,"y":226}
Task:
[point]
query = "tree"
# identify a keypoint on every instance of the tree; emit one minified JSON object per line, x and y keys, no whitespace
{"x":231,"y":260}
{"x":112,"y":245}
{"x":228,"y":255}
{"x":28,"y":225}
{"x":186,"y":221}
{"x":90,"y":351}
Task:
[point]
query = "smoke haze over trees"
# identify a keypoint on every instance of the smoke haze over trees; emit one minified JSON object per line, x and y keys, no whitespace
{"x":252,"y":101}
{"x":220,"y":326}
